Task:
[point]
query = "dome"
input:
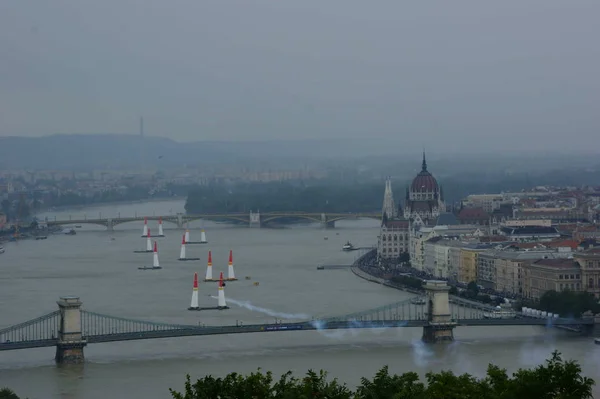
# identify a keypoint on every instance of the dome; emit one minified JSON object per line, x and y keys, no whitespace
{"x":424,"y":182}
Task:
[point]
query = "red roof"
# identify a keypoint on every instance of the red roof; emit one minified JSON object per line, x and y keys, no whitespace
{"x":562,"y":243}
{"x":473,"y":213}
{"x":397,"y":224}
{"x":424,"y":182}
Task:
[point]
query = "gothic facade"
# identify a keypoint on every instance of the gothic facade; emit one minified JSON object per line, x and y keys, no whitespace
{"x":393,"y":237}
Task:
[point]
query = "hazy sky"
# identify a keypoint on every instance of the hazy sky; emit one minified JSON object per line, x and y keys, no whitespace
{"x":462,"y":73}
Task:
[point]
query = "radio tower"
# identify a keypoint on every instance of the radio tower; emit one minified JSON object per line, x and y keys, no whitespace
{"x":142,"y":146}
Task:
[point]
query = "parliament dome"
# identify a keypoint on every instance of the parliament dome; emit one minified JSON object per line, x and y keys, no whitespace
{"x":424,"y":182}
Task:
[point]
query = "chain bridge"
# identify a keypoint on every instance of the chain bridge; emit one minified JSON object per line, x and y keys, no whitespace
{"x":70,"y":328}
{"x":252,"y":219}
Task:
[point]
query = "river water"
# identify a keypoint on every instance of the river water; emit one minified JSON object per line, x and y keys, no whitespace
{"x":104,"y":274}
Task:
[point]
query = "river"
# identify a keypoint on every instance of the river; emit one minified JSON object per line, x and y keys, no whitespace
{"x":104,"y":274}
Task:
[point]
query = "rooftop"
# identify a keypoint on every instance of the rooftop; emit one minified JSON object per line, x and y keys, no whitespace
{"x":557,"y":263}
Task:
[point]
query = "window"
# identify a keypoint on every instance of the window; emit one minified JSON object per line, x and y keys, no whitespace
{"x":560,"y":277}
{"x":577,"y":276}
{"x":591,"y":283}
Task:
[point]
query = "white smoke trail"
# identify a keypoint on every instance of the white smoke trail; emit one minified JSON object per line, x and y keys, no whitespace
{"x":270,"y":312}
{"x":422,"y":354}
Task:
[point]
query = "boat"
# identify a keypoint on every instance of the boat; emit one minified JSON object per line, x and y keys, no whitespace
{"x":500,"y":313}
{"x":70,"y":232}
{"x":348,"y":246}
{"x":41,"y":237}
{"x":2,"y":250}
{"x":418,"y":301}
{"x":597,"y":341}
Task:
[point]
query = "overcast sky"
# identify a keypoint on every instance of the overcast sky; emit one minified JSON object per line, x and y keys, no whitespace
{"x":462,"y":73}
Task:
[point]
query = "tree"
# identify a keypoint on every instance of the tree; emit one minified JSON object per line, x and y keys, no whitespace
{"x":556,"y":379}
{"x":6,"y":393}
{"x":404,"y":258}
{"x":6,"y":208}
{"x":568,"y":303}
{"x":473,"y":289}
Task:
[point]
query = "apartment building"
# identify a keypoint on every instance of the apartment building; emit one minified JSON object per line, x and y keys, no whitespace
{"x":469,"y":254}
{"x":502,"y":270}
{"x":589,"y":262}
{"x":544,"y":275}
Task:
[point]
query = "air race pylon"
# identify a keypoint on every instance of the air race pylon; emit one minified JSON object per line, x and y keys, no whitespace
{"x":209,"y":275}
{"x":148,"y":244}
{"x":230,"y":272}
{"x":194,"y":304}
{"x":155,"y":264}
{"x":160,"y":228}
{"x":187,"y":236}
{"x":203,"y":237}
{"x":221,"y":304}
{"x":182,"y":252}
{"x":148,"y":241}
{"x":145,"y":231}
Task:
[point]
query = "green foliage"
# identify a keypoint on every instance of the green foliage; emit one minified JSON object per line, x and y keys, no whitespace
{"x":556,"y":379}
{"x":6,"y":393}
{"x":273,"y":197}
{"x":408,"y":281}
{"x":473,"y":288}
{"x":568,"y":303}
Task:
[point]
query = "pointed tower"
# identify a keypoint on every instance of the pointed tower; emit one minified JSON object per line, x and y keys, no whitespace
{"x":388,"y":200}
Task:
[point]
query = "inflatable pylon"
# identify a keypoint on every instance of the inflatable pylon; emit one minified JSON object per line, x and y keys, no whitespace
{"x":194,"y":303}
{"x":230,"y":272}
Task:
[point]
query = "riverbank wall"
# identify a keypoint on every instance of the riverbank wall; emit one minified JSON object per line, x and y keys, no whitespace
{"x":359,"y":269}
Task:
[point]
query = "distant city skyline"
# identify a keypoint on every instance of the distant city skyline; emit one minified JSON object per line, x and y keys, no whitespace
{"x":449,"y":76}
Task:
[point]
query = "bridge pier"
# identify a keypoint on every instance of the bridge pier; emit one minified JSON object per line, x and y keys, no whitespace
{"x":439,"y":326}
{"x":254,"y":219}
{"x":179,"y":221}
{"x":325,"y":224}
{"x":109,"y":225}
{"x":69,"y":349}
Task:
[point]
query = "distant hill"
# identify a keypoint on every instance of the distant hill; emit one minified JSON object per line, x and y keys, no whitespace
{"x":84,"y":151}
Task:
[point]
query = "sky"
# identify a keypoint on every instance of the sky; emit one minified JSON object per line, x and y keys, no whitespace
{"x":438,"y":73}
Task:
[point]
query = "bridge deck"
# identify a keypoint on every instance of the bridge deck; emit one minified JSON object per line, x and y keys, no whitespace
{"x":303,"y":326}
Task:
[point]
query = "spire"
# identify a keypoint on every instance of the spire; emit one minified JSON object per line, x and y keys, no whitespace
{"x":424,"y":165}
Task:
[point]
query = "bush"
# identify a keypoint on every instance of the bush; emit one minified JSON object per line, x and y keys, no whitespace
{"x":554,"y":379}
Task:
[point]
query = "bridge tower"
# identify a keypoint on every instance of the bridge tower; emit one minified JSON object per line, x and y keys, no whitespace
{"x":69,"y":348}
{"x":439,"y":319}
{"x":254,"y":219}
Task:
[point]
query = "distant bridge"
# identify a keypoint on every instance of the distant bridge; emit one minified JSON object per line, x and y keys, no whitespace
{"x":70,"y":328}
{"x":252,"y":219}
